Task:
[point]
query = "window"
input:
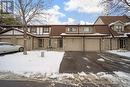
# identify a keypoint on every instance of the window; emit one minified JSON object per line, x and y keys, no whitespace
{"x":122,"y":43}
{"x":72,"y":29}
{"x":87,"y":30}
{"x":119,"y":28}
{"x":46,"y":30}
{"x":33,"y":30}
{"x":29,"y":30}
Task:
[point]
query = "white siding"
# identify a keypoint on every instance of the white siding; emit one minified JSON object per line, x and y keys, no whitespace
{"x":17,"y":33}
{"x":99,"y":21}
{"x":8,"y":33}
{"x":13,"y":32}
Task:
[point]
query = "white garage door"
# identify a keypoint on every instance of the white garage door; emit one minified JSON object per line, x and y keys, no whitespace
{"x":5,"y":40}
{"x":92,"y":44}
{"x":73,"y":44}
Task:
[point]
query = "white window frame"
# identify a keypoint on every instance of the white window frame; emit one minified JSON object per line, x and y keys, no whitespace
{"x":33,"y":30}
{"x":72,"y":29}
{"x":46,"y":29}
{"x":86,"y":30}
{"x":119,"y":28}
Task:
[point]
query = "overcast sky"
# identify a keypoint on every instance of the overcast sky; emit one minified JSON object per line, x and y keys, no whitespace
{"x":73,"y":11}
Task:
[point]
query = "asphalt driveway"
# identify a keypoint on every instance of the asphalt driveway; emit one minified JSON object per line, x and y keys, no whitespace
{"x":94,"y":62}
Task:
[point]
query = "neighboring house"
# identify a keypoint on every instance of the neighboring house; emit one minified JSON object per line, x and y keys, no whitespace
{"x":106,"y":20}
{"x":39,"y":36}
{"x":107,"y":33}
{"x":119,"y":29}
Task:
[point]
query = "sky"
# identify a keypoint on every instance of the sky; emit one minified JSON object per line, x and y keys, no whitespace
{"x":70,"y":12}
{"x":73,"y":11}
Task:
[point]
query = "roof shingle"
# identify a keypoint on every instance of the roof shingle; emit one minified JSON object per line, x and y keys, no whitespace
{"x":110,"y":19}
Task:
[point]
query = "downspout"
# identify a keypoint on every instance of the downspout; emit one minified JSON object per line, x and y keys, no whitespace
{"x":83,"y":43}
{"x":100,"y":46}
{"x":50,"y":33}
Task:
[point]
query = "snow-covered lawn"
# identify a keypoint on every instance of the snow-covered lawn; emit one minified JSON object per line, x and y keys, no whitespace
{"x":120,"y":52}
{"x":31,"y":63}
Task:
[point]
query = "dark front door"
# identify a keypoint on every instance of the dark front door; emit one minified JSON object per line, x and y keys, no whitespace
{"x":41,"y":43}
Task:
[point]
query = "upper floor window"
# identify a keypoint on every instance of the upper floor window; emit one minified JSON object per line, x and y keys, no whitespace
{"x":119,"y":28}
{"x":46,"y":30}
{"x":85,"y":30}
{"x":72,"y":29}
{"x":33,"y":30}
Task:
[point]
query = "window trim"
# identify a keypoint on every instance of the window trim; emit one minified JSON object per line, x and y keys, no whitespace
{"x":46,"y":30}
{"x":123,"y":43}
{"x":33,"y":30}
{"x":85,"y":30}
{"x":72,"y":30}
{"x":119,"y":28}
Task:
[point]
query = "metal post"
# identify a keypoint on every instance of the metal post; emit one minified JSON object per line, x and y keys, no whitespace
{"x":42,"y":54}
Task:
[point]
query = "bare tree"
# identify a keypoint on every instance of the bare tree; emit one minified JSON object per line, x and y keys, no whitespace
{"x":28,"y":10}
{"x":117,"y":7}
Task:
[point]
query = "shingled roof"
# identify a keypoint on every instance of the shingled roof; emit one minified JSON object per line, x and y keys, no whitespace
{"x":110,"y":19}
{"x":56,"y":30}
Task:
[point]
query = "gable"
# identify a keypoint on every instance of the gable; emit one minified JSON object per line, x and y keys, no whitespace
{"x":99,"y":21}
{"x":119,"y":23}
{"x":12,"y":32}
{"x":116,"y":23}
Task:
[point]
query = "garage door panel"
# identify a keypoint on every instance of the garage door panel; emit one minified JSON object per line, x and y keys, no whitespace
{"x":20,"y":41}
{"x":92,"y":45}
{"x":73,"y":44}
{"x":5,"y":40}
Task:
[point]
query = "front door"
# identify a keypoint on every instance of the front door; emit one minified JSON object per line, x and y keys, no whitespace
{"x":41,"y":43}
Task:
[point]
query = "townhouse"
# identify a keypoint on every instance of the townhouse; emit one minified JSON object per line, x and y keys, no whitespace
{"x":107,"y":33}
{"x":38,"y":36}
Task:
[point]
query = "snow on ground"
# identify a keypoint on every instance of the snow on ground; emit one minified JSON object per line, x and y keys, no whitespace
{"x":31,"y":63}
{"x":117,"y":78}
{"x":121,"y":52}
{"x":101,"y":60}
{"x":121,"y":78}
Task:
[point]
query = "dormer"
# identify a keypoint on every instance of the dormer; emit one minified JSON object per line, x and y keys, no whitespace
{"x":72,"y":29}
{"x":117,"y":26}
{"x":86,"y":29}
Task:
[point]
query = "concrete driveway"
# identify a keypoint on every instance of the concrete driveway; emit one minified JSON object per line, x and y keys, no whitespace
{"x":94,"y":62}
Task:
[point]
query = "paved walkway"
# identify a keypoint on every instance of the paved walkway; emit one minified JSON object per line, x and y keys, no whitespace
{"x":74,"y":62}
